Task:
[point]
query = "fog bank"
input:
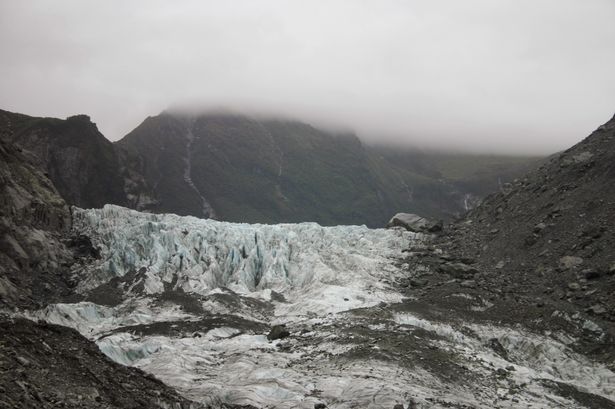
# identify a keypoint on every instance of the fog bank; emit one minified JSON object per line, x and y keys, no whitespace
{"x":512,"y":76}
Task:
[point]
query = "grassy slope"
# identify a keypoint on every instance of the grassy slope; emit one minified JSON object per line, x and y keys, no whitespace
{"x":477,"y":174}
{"x":483,"y":174}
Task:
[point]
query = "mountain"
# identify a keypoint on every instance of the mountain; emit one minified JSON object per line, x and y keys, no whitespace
{"x":537,"y":254}
{"x":239,"y":168}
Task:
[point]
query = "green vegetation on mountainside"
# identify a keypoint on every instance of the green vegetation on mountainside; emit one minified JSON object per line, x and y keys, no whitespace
{"x":272,"y":171}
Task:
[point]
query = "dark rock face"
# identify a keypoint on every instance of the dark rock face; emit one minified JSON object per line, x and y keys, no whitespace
{"x":553,"y":229}
{"x":49,"y":366}
{"x":33,"y":221}
{"x":81,"y":163}
{"x":82,"y":247}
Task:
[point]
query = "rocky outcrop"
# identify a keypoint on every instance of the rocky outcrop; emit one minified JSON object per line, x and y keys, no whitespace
{"x":81,"y":163}
{"x":33,"y":221}
{"x":42,"y":365}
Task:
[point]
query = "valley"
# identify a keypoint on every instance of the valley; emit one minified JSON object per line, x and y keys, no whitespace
{"x":207,"y":313}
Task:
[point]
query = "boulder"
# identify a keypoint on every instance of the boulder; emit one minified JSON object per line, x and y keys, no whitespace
{"x":570,"y":261}
{"x":408,"y":221}
{"x":435,"y":227}
{"x":597,"y":309}
{"x":418,"y":282}
{"x":498,"y":348}
{"x":415,"y":223}
{"x":278,"y":332}
{"x":574,"y":286}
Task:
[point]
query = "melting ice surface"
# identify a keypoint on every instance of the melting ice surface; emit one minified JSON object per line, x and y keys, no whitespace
{"x":327,"y":285}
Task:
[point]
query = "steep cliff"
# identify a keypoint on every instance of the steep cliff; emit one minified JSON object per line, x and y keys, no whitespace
{"x":82,"y":164}
{"x":33,"y":220}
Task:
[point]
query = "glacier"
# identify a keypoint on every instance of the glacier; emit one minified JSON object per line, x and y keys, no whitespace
{"x":321,"y":265}
{"x":354,"y":342}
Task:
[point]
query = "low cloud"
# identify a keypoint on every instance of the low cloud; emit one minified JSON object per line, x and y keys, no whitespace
{"x":512,"y":76}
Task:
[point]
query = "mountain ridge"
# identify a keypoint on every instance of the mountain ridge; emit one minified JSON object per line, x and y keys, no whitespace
{"x":240,"y":168}
{"x":272,"y":171}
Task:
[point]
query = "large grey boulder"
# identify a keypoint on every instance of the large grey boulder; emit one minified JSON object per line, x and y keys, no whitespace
{"x":408,"y":221}
{"x":414,"y":223}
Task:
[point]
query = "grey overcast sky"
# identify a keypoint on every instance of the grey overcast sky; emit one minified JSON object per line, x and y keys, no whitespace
{"x":488,"y":75}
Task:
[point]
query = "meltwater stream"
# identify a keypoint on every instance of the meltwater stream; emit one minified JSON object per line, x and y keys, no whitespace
{"x":191,"y":301}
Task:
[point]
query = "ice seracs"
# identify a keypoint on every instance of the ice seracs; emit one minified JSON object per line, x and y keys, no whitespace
{"x":197,"y":255}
